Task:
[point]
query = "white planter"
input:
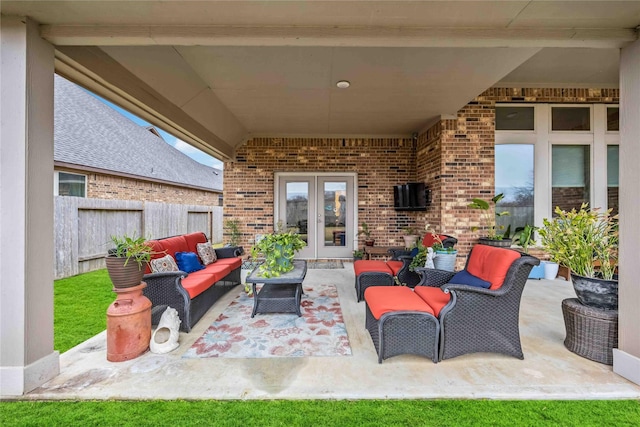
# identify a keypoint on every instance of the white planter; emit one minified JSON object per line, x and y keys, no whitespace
{"x":550,"y":270}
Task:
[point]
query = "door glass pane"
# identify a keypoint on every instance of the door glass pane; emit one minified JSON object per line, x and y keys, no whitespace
{"x":570,"y":118}
{"x":570,"y":176}
{"x":612,"y":178}
{"x":71,"y":184}
{"x":298,"y":208}
{"x":514,"y":118}
{"x":335,"y":208}
{"x":613,"y":119}
{"x":514,"y":178}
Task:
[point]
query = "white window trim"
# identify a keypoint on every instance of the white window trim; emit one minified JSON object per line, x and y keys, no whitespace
{"x":56,"y":182}
{"x":572,"y":132}
{"x":598,"y":138}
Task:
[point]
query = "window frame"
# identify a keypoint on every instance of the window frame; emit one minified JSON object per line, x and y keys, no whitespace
{"x":56,"y":182}
{"x":572,"y":132}
{"x":543,"y":139}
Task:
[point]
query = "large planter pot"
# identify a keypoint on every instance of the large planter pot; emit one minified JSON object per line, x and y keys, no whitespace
{"x":410,"y":241}
{"x":501,"y":243}
{"x":596,"y":292}
{"x":124,"y":276}
{"x":445,"y":260}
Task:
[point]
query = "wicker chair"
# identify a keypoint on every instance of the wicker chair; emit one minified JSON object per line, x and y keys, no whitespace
{"x":477,"y":319}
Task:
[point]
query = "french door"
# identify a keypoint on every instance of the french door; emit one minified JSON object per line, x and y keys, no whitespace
{"x":322,"y":208}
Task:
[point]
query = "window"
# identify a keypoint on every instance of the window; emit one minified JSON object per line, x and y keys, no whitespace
{"x":612,"y":178}
{"x":570,"y":166}
{"x":70,"y":184}
{"x":613,"y":119}
{"x":575,"y":152}
{"x":515,"y":118}
{"x":514,"y":178}
{"x":570,"y":119}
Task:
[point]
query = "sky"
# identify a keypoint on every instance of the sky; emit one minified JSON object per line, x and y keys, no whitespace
{"x":178,"y":144}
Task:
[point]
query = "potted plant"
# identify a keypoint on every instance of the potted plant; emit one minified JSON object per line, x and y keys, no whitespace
{"x":410,"y":237}
{"x":488,"y":216}
{"x":586,"y":242}
{"x":368,"y":241}
{"x":232,"y":226}
{"x":126,"y":262}
{"x":444,"y":258}
{"x":278,"y":250}
{"x":358,"y":254}
{"x":525,"y":237}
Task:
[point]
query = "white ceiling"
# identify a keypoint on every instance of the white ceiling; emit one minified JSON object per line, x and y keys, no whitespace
{"x":239,"y":68}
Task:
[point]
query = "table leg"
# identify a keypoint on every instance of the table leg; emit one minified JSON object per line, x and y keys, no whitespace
{"x":299,"y":293}
{"x":255,"y":300}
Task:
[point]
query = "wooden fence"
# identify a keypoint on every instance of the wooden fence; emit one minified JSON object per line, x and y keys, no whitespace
{"x":83,"y":227}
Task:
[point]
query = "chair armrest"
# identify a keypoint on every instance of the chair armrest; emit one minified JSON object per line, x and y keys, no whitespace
{"x":474,"y":289}
{"x":433,"y":277}
{"x":449,"y":242}
{"x":229,"y":252}
{"x":397,"y":253}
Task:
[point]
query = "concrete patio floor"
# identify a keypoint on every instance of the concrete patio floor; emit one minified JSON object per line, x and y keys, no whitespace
{"x":549,"y":371}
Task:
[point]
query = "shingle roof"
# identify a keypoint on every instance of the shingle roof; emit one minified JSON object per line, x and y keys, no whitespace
{"x":89,"y":133}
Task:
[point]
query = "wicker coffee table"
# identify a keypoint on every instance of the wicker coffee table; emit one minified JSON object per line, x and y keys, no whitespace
{"x":278,"y":294}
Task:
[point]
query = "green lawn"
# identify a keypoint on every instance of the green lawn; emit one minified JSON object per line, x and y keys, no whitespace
{"x":80,"y":308}
{"x":323,"y":413}
{"x":80,"y":312}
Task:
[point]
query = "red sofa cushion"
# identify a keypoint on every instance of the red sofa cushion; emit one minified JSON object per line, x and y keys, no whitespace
{"x":366,"y":266}
{"x":194,"y":238}
{"x":491,"y":263}
{"x":384,"y":299}
{"x":395,"y":266}
{"x":174,"y":244}
{"x":157,"y":252}
{"x":435,"y":297}
{"x":233,"y":262}
{"x":199,"y":281}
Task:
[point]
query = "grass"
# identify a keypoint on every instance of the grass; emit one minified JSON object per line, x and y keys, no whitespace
{"x":80,"y":308}
{"x":323,"y":413}
{"x":80,"y":313}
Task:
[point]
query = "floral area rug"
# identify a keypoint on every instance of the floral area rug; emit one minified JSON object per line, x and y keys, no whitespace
{"x":319,"y":332}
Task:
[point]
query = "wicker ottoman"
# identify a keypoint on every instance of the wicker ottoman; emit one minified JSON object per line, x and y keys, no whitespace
{"x":408,"y":328}
{"x":371,"y":273}
{"x":591,"y":332}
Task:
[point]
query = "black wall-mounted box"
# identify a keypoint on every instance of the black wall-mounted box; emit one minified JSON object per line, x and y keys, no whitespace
{"x":413,"y":196}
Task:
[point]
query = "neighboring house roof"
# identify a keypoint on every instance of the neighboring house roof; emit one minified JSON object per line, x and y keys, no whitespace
{"x":90,"y":134}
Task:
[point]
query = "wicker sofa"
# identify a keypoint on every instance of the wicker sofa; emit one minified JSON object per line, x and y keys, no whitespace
{"x":191,"y":294}
{"x":469,"y":318}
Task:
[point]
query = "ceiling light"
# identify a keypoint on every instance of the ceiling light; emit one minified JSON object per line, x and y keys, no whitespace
{"x":343,"y":84}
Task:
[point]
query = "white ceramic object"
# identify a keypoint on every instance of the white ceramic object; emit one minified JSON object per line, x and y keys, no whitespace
{"x":550,"y":270}
{"x":429,"y":262}
{"x":165,"y":338}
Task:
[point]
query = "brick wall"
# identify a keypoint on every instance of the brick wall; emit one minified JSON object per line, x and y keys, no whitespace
{"x":101,"y":186}
{"x":454,"y":157}
{"x":379,"y":163}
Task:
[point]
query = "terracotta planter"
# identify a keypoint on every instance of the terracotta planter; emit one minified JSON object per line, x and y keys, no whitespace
{"x":502,"y":243}
{"x":369,"y":242}
{"x":124,"y":276}
{"x":596,"y":292}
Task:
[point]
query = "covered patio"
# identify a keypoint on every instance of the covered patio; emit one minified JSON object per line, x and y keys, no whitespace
{"x":255,"y":83}
{"x":549,"y":370}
